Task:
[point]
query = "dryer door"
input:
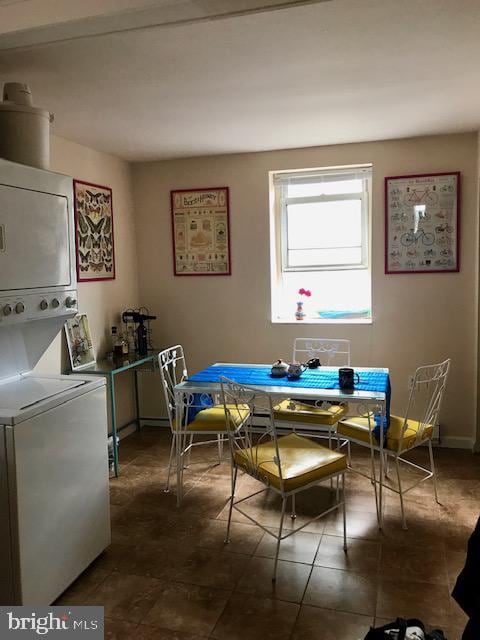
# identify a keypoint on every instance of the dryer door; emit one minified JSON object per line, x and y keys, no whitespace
{"x":34,"y":239}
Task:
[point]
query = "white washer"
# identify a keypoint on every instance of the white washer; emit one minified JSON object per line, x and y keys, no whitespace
{"x":54,"y":505}
{"x":53,"y":484}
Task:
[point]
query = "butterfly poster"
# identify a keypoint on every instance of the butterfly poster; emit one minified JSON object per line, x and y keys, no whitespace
{"x":94,"y":232}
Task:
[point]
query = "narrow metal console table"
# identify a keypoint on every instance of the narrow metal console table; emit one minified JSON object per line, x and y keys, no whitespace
{"x":111,"y":368}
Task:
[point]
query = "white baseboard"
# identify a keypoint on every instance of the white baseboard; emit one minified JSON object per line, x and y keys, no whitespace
{"x":161,"y":423}
{"x":451,"y":442}
{"x":454,"y":442}
{"x":123,"y":433}
{"x":155,"y":422}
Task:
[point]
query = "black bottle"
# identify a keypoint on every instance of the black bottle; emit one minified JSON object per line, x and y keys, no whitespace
{"x":142,"y":342}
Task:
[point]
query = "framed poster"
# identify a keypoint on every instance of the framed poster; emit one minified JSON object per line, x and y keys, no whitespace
{"x":201,"y":232}
{"x":79,"y":342}
{"x":422,"y":217}
{"x":93,"y":231}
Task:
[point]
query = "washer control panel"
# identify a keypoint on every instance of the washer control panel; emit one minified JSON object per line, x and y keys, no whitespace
{"x":36,"y":306}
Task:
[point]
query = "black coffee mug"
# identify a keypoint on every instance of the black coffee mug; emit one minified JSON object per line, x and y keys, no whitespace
{"x":346,"y":377}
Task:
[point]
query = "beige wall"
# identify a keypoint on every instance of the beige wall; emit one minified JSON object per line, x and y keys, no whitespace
{"x":102,"y":301}
{"x":417,"y":318}
{"x":477,"y":286}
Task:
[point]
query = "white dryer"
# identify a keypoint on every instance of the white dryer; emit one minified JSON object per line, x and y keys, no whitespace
{"x":54,"y":504}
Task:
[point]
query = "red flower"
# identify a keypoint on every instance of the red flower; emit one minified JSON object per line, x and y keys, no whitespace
{"x":305,"y":292}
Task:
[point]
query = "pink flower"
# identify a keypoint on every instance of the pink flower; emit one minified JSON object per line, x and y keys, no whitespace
{"x":305,"y":292}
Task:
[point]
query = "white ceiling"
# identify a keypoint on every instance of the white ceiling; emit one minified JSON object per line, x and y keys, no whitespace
{"x":333,"y":72}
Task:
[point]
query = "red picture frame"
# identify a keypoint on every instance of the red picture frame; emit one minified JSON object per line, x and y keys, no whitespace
{"x":94,"y":231}
{"x":422,"y":223}
{"x":200,"y":221}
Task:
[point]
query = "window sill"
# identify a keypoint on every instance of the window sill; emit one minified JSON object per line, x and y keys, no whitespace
{"x":322,"y":321}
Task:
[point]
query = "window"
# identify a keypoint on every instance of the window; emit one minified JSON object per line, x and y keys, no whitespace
{"x":320,"y":242}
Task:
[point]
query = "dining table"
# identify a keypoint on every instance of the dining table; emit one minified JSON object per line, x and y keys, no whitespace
{"x":371,"y":393}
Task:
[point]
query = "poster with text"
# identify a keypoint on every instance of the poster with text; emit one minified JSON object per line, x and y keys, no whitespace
{"x":422,"y":214}
{"x":201,"y":234}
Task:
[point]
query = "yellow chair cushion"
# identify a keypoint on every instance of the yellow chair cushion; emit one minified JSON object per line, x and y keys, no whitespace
{"x":213,"y":419}
{"x":394,"y":434}
{"x":295,"y":411}
{"x":357,"y":428}
{"x":302,"y":460}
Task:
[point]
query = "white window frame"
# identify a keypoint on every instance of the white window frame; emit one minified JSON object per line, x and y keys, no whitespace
{"x":281,"y":180}
{"x":277,"y":271}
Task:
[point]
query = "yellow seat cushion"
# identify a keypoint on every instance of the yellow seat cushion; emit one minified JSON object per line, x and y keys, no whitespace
{"x":213,"y":419}
{"x":302,"y":460}
{"x":295,"y":411}
{"x":357,"y":428}
{"x":394,"y":434}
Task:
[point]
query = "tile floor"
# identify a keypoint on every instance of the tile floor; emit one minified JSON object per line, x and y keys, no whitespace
{"x":169,"y":576}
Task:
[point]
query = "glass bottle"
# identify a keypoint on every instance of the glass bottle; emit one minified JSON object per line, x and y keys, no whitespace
{"x":131,"y":339}
{"x":118,"y":346}
{"x":113,"y":338}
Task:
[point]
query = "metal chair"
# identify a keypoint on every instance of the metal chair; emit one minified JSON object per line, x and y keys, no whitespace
{"x":322,"y":416}
{"x":195,"y":418}
{"x":286,"y":465}
{"x":336,"y":352}
{"x":404,"y":433}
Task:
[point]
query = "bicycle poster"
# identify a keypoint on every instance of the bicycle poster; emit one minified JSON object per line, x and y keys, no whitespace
{"x":422,"y":214}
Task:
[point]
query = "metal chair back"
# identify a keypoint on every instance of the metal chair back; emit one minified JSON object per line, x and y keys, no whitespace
{"x":235,"y":398}
{"x":173,"y":370}
{"x":425,"y":398}
{"x":329,"y":352}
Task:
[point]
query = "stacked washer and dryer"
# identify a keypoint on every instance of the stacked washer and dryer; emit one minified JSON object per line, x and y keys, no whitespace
{"x":54,"y":505}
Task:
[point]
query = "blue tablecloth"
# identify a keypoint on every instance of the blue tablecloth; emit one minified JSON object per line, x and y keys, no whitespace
{"x":371,"y":380}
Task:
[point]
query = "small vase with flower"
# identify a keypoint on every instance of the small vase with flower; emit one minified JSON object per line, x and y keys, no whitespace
{"x":300,"y":313}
